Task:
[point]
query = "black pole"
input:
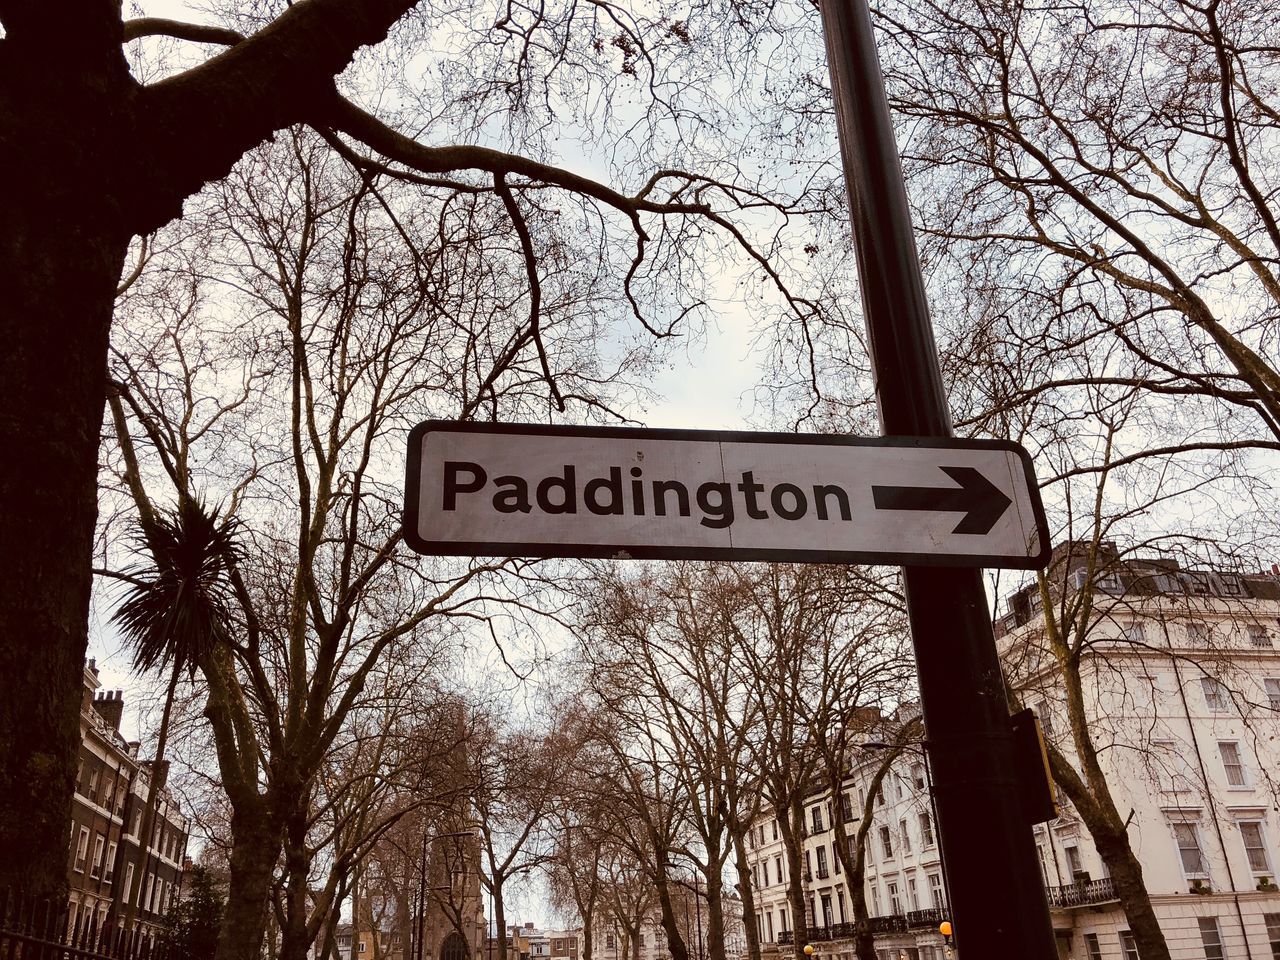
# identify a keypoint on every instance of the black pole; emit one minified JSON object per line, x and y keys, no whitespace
{"x":997,"y":899}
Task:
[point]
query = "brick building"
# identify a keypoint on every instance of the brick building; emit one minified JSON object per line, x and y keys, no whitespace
{"x":106,"y":864}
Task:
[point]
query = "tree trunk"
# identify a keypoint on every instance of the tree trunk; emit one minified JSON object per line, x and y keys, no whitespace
{"x":791,"y":822}
{"x":748,"y":897}
{"x":675,"y":942}
{"x":60,"y":261}
{"x":715,"y":915}
{"x":500,"y":919}
{"x":295,"y":941}
{"x":255,"y":847}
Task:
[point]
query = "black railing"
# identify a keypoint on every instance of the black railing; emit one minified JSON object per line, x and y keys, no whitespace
{"x":43,"y":930}
{"x":1082,"y":893}
{"x":894,"y":923}
{"x":785,"y":937}
{"x":927,"y":918}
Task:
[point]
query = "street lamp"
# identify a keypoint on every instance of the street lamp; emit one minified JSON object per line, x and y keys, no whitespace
{"x":944,"y":928}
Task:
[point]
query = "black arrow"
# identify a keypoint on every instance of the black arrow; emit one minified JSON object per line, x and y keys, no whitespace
{"x":981,"y":501}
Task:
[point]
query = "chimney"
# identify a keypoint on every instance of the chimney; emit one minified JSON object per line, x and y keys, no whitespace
{"x":110,"y":707}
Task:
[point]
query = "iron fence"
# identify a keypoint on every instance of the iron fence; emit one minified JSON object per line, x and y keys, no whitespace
{"x":43,"y":929}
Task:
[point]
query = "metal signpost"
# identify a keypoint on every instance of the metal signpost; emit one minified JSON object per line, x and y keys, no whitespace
{"x":998,"y":899}
{"x":538,"y":491}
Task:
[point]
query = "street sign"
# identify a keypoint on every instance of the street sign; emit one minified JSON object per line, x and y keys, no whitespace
{"x":538,"y":491}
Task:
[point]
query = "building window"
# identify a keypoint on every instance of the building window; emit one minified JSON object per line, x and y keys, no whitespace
{"x":875,"y":900}
{"x":1074,"y":865}
{"x":82,"y":849}
{"x":609,"y":942}
{"x":1046,"y":720}
{"x":926,"y":831}
{"x":886,"y":842}
{"x":822,"y":863}
{"x":835,"y":857}
{"x":1215,"y":694}
{"x":1135,"y":632}
{"x":1231,"y":763}
{"x":846,"y":807}
{"x":1197,"y":633}
{"x":775,"y":829}
{"x":895,"y":905}
{"x":1211,"y":937}
{"x":110,"y":866}
{"x":913,"y":898}
{"x":769,"y":925}
{"x":99,"y":844}
{"x":1272,"y":920}
{"x":1272,"y":687}
{"x":1188,"y":838}
{"x":128,"y":882}
{"x":1092,"y":947}
{"x":1255,"y":846}
{"x":777,"y":868}
{"x":935,"y":891}
{"x":816,"y":814}
{"x":1128,"y":946}
{"x":917,"y":775}
{"x":1258,"y":635}
{"x":906,"y":837}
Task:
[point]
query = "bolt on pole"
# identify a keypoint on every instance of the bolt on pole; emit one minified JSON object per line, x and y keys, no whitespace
{"x":998,"y":899}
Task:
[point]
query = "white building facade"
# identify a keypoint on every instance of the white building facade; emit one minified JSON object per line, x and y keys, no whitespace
{"x":1181,"y":680}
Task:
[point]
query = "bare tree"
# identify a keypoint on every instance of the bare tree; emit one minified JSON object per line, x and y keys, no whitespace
{"x":110,"y":139}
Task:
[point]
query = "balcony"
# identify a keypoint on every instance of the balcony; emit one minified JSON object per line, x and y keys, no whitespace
{"x":786,"y":937}
{"x":894,"y":923}
{"x":1081,"y":894}
{"x":927,"y":918}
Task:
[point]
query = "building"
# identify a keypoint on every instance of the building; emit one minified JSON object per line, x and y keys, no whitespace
{"x":107,"y":865}
{"x":905,"y":890}
{"x":610,"y":941}
{"x":1181,"y":675}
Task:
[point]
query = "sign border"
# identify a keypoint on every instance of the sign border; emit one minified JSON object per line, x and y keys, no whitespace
{"x":481,"y":548}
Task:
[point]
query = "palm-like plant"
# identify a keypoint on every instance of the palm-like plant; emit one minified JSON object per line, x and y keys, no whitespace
{"x":179,"y":604}
{"x":176,"y":610}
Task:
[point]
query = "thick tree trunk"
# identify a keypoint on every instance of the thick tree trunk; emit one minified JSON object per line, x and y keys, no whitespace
{"x":675,"y":942}
{"x":715,"y":916}
{"x":295,"y":939}
{"x":255,"y":848}
{"x":59,"y":267}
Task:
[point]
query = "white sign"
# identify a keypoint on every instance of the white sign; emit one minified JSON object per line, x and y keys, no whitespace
{"x":526,"y":490}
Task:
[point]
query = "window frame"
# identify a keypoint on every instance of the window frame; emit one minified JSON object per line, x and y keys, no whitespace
{"x":1265,"y":870}
{"x":1194,"y":827}
{"x":1238,"y":765}
{"x":1216,"y":697}
{"x":1211,"y":938}
{"x":82,"y":851}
